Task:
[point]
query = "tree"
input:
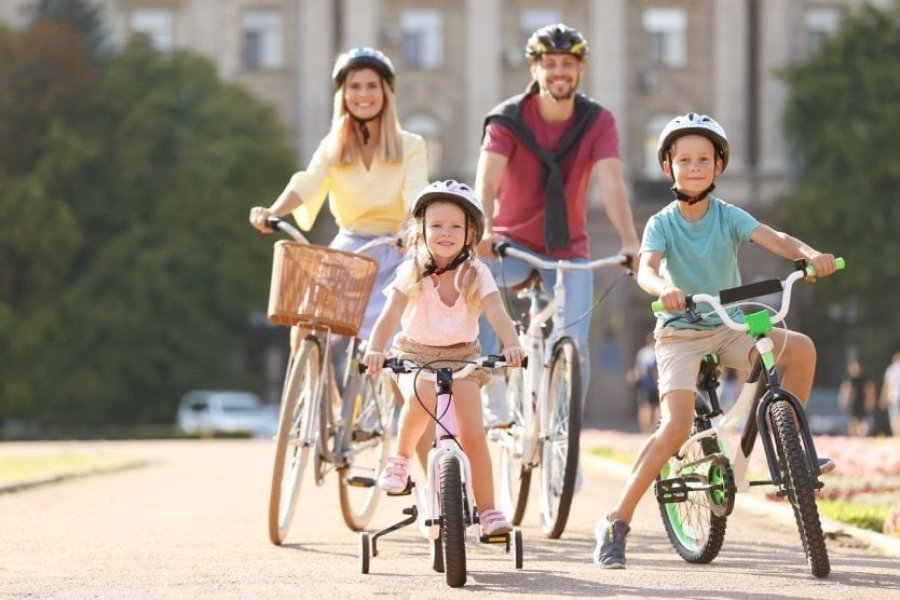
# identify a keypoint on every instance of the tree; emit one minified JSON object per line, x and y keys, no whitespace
{"x":84,"y":15}
{"x":843,"y":121}
{"x":155,"y":269}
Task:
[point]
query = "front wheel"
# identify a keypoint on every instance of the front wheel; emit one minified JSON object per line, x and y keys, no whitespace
{"x":559,"y":451}
{"x":453,"y":523}
{"x":798,"y":485}
{"x":296,"y":436}
{"x":702,"y":479}
{"x":515,"y":473}
{"x":371,"y":414}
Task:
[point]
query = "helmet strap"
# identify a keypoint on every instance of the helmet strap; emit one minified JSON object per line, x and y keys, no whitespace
{"x":431,"y":267}
{"x":691,"y":200}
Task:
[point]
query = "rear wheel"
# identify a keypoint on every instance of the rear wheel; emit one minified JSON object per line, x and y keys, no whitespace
{"x":559,"y":452}
{"x":453,"y":524}
{"x":696,"y":526}
{"x":798,"y":486}
{"x":515,"y":474}
{"x":296,"y":436}
{"x":371,"y":414}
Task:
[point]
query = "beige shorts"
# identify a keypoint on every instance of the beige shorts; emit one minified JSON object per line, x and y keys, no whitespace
{"x":679,"y":352}
{"x":407,"y":348}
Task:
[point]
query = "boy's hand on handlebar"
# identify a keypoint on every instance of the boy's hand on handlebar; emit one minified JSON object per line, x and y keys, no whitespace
{"x":672,"y":299}
{"x":514,"y":355}
{"x":824,"y":264}
{"x":258,"y":216}
{"x":374,"y":362}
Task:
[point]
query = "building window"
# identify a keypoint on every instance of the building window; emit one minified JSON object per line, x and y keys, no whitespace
{"x":652,"y":129}
{"x":819,"y":23}
{"x":666,"y":31}
{"x":156,"y":24}
{"x":263,"y":39}
{"x":423,"y":39}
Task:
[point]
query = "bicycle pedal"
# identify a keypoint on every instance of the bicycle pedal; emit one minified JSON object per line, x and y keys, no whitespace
{"x":360,"y":482}
{"x":502,"y":538}
{"x":405,"y":491}
{"x":673,"y":490}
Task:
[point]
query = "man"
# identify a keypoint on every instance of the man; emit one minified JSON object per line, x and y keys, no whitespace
{"x":538,"y":152}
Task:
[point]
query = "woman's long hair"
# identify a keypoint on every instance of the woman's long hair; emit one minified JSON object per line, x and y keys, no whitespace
{"x":344,"y":144}
{"x":410,"y":271}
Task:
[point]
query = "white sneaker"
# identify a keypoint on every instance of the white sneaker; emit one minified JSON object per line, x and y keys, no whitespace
{"x":493,"y":401}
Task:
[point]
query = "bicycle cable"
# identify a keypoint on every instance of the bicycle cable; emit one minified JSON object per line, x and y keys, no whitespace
{"x":435,"y":417}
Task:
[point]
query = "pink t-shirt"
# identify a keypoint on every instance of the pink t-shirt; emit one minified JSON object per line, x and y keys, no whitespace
{"x":519,"y":211}
{"x":427,"y":320}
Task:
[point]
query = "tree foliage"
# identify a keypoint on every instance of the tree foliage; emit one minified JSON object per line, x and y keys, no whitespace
{"x":843,"y":120}
{"x":129,"y":269}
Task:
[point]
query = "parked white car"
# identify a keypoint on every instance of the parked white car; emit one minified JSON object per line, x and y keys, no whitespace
{"x":210,"y":412}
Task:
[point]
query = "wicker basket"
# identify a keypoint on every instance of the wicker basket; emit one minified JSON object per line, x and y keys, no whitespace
{"x":319,"y":286}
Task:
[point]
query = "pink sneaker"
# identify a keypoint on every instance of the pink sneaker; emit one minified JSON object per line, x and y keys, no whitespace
{"x":493,"y":522}
{"x":395,"y":476}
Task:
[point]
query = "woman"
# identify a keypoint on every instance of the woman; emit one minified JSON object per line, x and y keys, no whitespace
{"x":370,"y":169}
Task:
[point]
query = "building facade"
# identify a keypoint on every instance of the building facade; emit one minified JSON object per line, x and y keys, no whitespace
{"x":649,"y":61}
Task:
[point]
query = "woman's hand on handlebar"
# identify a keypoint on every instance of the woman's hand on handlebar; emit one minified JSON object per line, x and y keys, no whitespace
{"x":258,"y":216}
{"x":514,"y":355}
{"x":374,"y":362}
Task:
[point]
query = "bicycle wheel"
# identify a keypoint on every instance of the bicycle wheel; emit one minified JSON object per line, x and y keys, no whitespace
{"x":559,"y":451}
{"x":798,"y":485}
{"x":366,"y":446}
{"x":453,"y":524}
{"x":296,"y":436}
{"x":696,"y":525}
{"x":515,"y":474}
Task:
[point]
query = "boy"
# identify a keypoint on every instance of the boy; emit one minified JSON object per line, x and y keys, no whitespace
{"x":690,"y":247}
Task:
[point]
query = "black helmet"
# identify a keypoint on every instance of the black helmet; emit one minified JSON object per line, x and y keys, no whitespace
{"x":363,"y":58}
{"x":556,"y":39}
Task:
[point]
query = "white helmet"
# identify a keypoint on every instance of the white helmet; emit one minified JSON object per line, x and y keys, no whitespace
{"x":693,"y":123}
{"x":457,"y":193}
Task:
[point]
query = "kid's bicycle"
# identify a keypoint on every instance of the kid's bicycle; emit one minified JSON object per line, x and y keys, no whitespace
{"x":545,"y":403}
{"x":343,"y":421}
{"x":444,"y":507}
{"x":696,"y":488}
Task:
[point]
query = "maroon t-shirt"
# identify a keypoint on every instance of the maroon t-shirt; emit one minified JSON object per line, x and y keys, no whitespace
{"x":519,"y":209}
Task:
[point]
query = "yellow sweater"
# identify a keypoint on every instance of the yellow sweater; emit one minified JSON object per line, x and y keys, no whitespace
{"x":371,"y":201}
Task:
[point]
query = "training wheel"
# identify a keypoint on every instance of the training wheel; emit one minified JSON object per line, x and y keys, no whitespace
{"x":364,"y":552}
{"x":517,"y":545}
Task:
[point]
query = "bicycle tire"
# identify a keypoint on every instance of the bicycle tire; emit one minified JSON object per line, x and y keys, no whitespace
{"x":367,"y":443}
{"x":798,"y":485}
{"x":453,"y":524}
{"x":515,"y":474}
{"x":559,"y":451}
{"x":296,"y":436}
{"x":693,"y":527}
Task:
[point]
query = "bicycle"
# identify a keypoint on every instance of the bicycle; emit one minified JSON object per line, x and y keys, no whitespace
{"x":444,"y":506}
{"x":696,"y":488}
{"x":546,"y":404}
{"x":325,"y":292}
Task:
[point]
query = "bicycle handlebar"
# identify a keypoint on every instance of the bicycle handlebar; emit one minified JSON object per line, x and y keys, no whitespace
{"x":804,"y":270}
{"x":404,"y":365}
{"x":285,"y":226}
{"x":505,"y":249}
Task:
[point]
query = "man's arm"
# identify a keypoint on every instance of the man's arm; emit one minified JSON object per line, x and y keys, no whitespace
{"x":488,"y":175}
{"x":614,"y":195}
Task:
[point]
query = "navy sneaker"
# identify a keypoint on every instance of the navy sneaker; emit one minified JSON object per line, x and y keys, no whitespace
{"x":610,"y":550}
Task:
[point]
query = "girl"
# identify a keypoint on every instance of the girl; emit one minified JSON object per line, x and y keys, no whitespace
{"x":370,"y":169}
{"x":437,"y":296}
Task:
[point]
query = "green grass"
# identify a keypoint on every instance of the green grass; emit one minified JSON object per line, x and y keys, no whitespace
{"x":864,"y":516}
{"x":17,"y":468}
{"x":619,"y":456}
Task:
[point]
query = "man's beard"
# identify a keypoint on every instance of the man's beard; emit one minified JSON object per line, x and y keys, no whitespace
{"x":568,"y":95}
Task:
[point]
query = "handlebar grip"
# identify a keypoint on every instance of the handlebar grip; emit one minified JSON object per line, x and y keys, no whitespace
{"x":656,"y":306}
{"x":839,"y":264}
{"x":272,"y":222}
{"x":500,"y":248}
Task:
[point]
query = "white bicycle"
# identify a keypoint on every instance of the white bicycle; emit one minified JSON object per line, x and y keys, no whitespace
{"x":545,"y":402}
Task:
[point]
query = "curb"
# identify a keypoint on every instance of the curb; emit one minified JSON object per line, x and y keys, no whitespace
{"x":879,"y":543}
{"x":31,"y":482}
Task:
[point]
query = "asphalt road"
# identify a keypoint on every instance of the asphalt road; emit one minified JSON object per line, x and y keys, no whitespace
{"x":191,"y":523}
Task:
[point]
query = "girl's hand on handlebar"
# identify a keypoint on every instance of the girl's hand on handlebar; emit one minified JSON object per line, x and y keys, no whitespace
{"x":374,"y":362}
{"x":672,"y":299}
{"x":258,"y":216}
{"x":514,"y":356}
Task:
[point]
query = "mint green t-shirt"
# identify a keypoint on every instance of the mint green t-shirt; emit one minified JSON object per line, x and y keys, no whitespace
{"x":702,"y":257}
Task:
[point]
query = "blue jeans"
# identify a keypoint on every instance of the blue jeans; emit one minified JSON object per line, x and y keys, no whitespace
{"x":511,"y":271}
{"x":388,"y":258}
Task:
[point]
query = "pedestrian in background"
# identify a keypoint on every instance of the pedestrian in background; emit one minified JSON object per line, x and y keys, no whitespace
{"x":890,"y":392}
{"x":856,"y":397}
